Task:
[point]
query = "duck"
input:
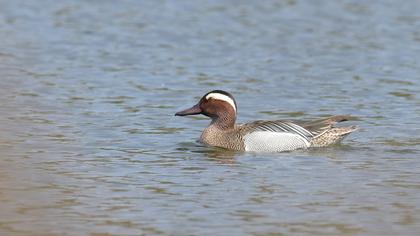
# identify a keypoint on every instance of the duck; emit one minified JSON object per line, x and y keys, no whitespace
{"x":263,"y":136}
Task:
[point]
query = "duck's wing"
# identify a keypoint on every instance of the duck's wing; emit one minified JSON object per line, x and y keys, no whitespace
{"x":285,"y":135}
{"x":274,"y":136}
{"x":277,"y":126}
{"x":319,"y":126}
{"x":305,"y":129}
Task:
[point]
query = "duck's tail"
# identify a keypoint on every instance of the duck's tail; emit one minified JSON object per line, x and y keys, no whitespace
{"x":332,"y":136}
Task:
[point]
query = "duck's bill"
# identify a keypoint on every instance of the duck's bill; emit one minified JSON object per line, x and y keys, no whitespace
{"x":195,"y":110}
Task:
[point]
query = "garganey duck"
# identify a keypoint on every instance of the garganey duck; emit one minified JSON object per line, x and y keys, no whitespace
{"x":262,"y":136}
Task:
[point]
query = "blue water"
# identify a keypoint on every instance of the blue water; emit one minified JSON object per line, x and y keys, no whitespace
{"x":89,"y":144}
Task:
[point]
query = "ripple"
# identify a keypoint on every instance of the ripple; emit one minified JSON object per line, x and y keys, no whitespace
{"x":403,"y":95}
{"x":90,"y":145}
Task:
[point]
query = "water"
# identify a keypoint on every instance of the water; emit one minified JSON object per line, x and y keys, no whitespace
{"x":89,"y":144}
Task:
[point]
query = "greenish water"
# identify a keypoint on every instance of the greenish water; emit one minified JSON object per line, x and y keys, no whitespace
{"x":89,"y":144}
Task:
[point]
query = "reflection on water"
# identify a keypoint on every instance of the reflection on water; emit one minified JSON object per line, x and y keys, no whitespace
{"x":89,"y":144}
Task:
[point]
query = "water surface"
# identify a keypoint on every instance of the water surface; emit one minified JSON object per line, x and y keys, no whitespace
{"x":89,"y":144}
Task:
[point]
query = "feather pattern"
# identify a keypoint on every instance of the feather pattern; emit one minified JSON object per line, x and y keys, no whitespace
{"x":275,"y":136}
{"x":318,"y":127}
{"x":278,"y":126}
{"x":268,"y":141}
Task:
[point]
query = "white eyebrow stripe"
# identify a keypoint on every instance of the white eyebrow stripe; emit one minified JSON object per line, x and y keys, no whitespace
{"x":222,"y":97}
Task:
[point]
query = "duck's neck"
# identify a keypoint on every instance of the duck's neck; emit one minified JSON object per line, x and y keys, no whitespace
{"x":224,"y":121}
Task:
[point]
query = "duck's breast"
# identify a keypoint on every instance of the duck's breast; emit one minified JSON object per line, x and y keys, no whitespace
{"x":266,"y":141}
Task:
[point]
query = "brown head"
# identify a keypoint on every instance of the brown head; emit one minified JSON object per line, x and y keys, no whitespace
{"x":219,"y":105}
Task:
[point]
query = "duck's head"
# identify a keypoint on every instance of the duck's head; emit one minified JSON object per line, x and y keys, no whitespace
{"x":215,"y":104}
